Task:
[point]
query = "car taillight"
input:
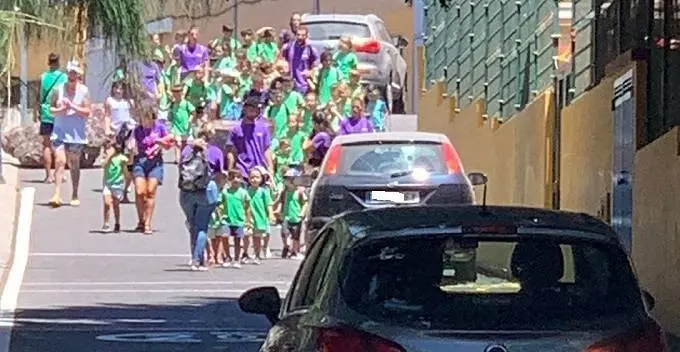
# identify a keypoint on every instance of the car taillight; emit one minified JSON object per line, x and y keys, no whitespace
{"x":370,"y":46}
{"x":348,"y":340}
{"x":451,"y":159}
{"x":648,"y":339}
{"x":332,"y":161}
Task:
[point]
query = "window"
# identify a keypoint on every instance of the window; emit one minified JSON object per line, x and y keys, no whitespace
{"x":317,"y":279}
{"x":390,"y":157}
{"x":303,"y":280}
{"x":490,"y":282}
{"x":333,"y":30}
{"x":383,"y":33}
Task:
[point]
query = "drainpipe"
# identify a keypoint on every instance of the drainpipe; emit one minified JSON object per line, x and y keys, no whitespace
{"x":418,"y":8}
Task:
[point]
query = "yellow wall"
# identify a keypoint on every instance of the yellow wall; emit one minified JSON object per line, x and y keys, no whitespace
{"x":513,"y":155}
{"x":656,"y":224}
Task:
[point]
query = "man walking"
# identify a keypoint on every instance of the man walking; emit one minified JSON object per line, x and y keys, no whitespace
{"x":49,"y":80}
{"x":250,"y":140}
{"x":71,"y":108}
{"x":301,"y":59}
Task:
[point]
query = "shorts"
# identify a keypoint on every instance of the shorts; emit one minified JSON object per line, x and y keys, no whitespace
{"x":115,"y":191}
{"x":236,"y":231}
{"x":148,"y":168}
{"x":257,"y":233}
{"x":74,"y":148}
{"x":291,"y":230}
{"x":46,"y":128}
{"x":216,"y":232}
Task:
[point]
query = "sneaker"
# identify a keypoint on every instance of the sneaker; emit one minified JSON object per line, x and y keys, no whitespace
{"x":106,"y":227}
{"x":255,"y":261}
{"x":299,"y":256}
{"x":226,"y":264}
{"x":236,"y":265}
{"x":267,"y":253}
{"x":245,"y":260}
{"x":194,"y":267}
{"x":202,"y":268}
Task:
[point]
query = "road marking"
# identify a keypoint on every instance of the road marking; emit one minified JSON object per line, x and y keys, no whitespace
{"x":283,"y":291}
{"x":232,"y":336}
{"x":95,"y":321}
{"x":121,"y":255}
{"x":22,"y":239}
{"x":150,"y":283}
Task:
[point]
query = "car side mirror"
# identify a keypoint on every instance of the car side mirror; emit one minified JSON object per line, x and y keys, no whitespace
{"x":477,"y":178}
{"x":649,"y":300}
{"x":262,"y":300}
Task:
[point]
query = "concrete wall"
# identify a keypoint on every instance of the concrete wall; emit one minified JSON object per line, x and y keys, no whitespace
{"x":514,"y":155}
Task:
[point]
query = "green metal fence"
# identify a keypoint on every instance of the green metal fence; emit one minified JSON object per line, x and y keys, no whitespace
{"x":499,"y":50}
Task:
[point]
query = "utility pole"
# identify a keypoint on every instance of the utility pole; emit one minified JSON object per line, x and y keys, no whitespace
{"x":235,"y":20}
{"x":23,"y":72}
{"x":317,"y":6}
{"x":418,"y":9}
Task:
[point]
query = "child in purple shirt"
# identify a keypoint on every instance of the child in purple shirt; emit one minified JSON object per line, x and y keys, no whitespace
{"x":358,"y":122}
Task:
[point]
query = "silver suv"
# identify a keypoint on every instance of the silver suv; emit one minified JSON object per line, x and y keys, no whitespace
{"x":380,"y":54}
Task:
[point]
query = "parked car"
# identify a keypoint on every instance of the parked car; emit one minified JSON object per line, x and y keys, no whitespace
{"x":381,"y":280}
{"x":380,"y":54}
{"x":385,"y":169}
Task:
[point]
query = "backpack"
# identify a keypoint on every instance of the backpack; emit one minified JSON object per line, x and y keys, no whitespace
{"x":194,"y":171}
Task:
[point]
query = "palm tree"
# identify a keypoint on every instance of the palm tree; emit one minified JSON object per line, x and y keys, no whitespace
{"x":120,"y":22}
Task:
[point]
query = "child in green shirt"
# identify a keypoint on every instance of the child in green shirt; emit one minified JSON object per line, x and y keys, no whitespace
{"x":115,"y":173}
{"x":292,"y":206}
{"x":291,"y":98}
{"x":182,"y":114}
{"x":216,"y":232}
{"x":281,"y":161}
{"x":197,"y":92}
{"x":311,"y":106}
{"x":326,"y":78}
{"x":345,"y":58}
{"x":267,"y":48}
{"x":262,"y":211}
{"x":236,"y":202}
{"x":278,"y":113}
{"x":296,"y":138}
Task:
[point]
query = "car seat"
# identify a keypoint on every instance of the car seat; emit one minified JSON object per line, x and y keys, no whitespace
{"x":538,"y":266}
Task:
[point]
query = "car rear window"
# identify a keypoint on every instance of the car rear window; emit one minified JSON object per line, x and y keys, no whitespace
{"x":515,"y":283}
{"x":389,"y":158}
{"x":333,"y":30}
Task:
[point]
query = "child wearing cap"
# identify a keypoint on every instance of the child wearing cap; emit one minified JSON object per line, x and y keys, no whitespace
{"x":227,"y":96}
{"x":266,"y":46}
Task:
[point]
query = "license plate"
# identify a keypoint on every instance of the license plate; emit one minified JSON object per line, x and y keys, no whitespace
{"x":394,"y":197}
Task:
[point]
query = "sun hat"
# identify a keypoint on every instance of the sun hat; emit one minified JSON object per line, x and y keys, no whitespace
{"x":74,"y":66}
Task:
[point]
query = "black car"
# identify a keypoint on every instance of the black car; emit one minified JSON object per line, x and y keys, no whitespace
{"x":375,"y":170}
{"x":383,"y":280}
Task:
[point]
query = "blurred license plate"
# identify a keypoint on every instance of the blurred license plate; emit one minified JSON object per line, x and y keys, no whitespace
{"x":394,"y":197}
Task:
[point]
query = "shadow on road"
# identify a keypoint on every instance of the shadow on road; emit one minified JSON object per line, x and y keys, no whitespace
{"x":196,"y":324}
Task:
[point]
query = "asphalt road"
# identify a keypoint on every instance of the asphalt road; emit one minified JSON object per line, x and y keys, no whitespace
{"x":88,"y":291}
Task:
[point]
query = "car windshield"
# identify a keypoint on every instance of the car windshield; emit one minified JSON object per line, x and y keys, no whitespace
{"x":490,"y":284}
{"x":388,"y":158}
{"x":333,"y":30}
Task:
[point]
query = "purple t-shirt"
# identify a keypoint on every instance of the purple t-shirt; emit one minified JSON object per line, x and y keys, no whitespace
{"x":192,"y":59}
{"x":321,"y":143}
{"x":351,"y":125}
{"x":251,"y":141}
{"x":149,"y":74}
{"x":147,"y":138}
{"x":213,"y":154}
{"x":300,"y":58}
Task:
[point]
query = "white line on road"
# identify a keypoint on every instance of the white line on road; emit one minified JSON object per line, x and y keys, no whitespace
{"x":150,"y":283}
{"x":283,"y":291}
{"x":22,"y":239}
{"x":122,"y":255}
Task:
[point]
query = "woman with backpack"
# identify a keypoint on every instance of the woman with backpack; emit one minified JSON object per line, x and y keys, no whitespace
{"x":200,"y":179}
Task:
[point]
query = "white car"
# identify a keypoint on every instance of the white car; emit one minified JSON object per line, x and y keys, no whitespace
{"x":379,"y":53}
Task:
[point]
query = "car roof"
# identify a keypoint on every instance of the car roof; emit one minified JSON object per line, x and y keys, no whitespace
{"x":340,"y":17}
{"x":391,"y":136}
{"x":401,"y":219}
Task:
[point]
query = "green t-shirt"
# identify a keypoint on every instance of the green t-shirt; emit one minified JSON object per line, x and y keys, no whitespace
{"x":328,"y":77}
{"x":245,"y":83}
{"x":217,"y":217}
{"x":346,"y":62}
{"x":227,"y":62}
{"x":292,"y":207}
{"x":280,"y":159}
{"x":251,"y":52}
{"x":260,"y":201}
{"x":180,"y":118}
{"x":297,"y":140}
{"x":226,"y":99}
{"x":48,"y":81}
{"x":114,"y":170}
{"x":278,"y":114}
{"x":307,"y":122}
{"x":293,"y":101}
{"x":234,"y":200}
{"x":196,"y":92}
{"x":267,"y":51}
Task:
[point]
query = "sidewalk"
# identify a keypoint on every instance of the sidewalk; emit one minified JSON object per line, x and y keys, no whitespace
{"x":9,"y":197}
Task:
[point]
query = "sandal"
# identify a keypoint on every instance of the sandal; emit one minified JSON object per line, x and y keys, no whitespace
{"x":140,"y":227}
{"x":148,"y":231}
{"x":55,"y":202}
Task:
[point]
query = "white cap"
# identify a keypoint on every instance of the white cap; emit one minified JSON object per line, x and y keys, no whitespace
{"x":74,"y":66}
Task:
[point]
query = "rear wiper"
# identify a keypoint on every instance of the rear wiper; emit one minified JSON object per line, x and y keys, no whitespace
{"x":401,"y":173}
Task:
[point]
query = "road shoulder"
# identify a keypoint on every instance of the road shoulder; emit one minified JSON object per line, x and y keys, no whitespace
{"x":9,"y":203}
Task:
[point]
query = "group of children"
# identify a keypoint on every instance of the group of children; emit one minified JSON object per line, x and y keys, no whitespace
{"x":245,"y":213}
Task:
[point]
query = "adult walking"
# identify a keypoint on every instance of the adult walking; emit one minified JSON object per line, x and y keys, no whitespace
{"x":250,"y":140}
{"x":301,"y":58}
{"x":49,"y":80}
{"x":201,"y":176}
{"x":192,"y":55}
{"x":151,"y":137}
{"x":288,"y":35}
{"x":71,"y":109}
{"x":358,"y":121}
